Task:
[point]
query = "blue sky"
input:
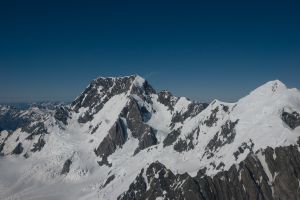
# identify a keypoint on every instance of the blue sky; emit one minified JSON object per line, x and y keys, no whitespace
{"x":50,"y":50}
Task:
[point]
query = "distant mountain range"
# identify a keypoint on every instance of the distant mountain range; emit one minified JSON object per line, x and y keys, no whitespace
{"x":39,"y":104}
{"x":121,"y":139}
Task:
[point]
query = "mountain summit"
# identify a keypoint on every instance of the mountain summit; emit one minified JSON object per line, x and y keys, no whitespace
{"x":120,"y":139}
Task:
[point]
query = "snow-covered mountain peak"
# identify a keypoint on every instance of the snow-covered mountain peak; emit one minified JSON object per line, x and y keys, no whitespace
{"x":132,"y":79}
{"x":270,"y":88}
{"x":165,"y":93}
{"x":138,"y":80}
{"x":103,"y":89}
{"x":272,"y":95}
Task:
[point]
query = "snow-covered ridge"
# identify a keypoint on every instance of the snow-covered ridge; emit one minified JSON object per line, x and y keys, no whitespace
{"x":120,"y":125}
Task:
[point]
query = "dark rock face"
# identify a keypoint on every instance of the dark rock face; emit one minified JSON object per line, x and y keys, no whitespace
{"x":62,"y":115}
{"x":35,"y":129}
{"x":148,"y":88}
{"x":66,"y":167}
{"x":212,"y":118}
{"x":103,"y":162}
{"x":225,"y":108}
{"x":136,"y":190}
{"x":3,"y":143}
{"x":284,"y":167}
{"x":116,"y":137}
{"x":249,"y":145}
{"x":162,"y":183}
{"x":291,"y":119}
{"x":109,"y":179}
{"x":143,"y":92}
{"x":18,"y":149}
{"x":85,"y":117}
{"x":39,"y":145}
{"x":166,"y":98}
{"x":171,"y":137}
{"x":228,"y":131}
{"x":194,"y":109}
{"x":134,"y":118}
{"x":275,"y":176}
{"x":148,"y":139}
{"x":225,"y":136}
{"x":95,"y":128}
{"x":251,"y":180}
{"x":185,"y":145}
{"x":1,"y":148}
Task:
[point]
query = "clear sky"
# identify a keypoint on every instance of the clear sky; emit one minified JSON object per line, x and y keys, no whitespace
{"x":51,"y":50}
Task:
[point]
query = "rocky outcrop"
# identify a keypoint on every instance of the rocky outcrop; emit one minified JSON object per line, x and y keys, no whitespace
{"x":104,"y":162}
{"x":134,"y":116}
{"x":36,"y":128}
{"x":185,"y":144}
{"x":291,"y":119}
{"x":166,"y":98}
{"x":212,"y":119}
{"x":116,"y":137}
{"x":225,"y":136}
{"x":144,"y":92}
{"x":171,"y":137}
{"x":159,"y":182}
{"x":18,"y":149}
{"x":94,"y":129}
{"x":193,"y":109}
{"x":66,"y":167}
{"x":148,"y":139}
{"x":39,"y":145}
{"x":270,"y":174}
{"x":108,"y":180}
{"x":2,"y":143}
{"x":62,"y":114}
{"x":241,"y":149}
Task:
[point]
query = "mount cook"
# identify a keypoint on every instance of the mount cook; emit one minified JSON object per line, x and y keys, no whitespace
{"x":120,"y":139}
